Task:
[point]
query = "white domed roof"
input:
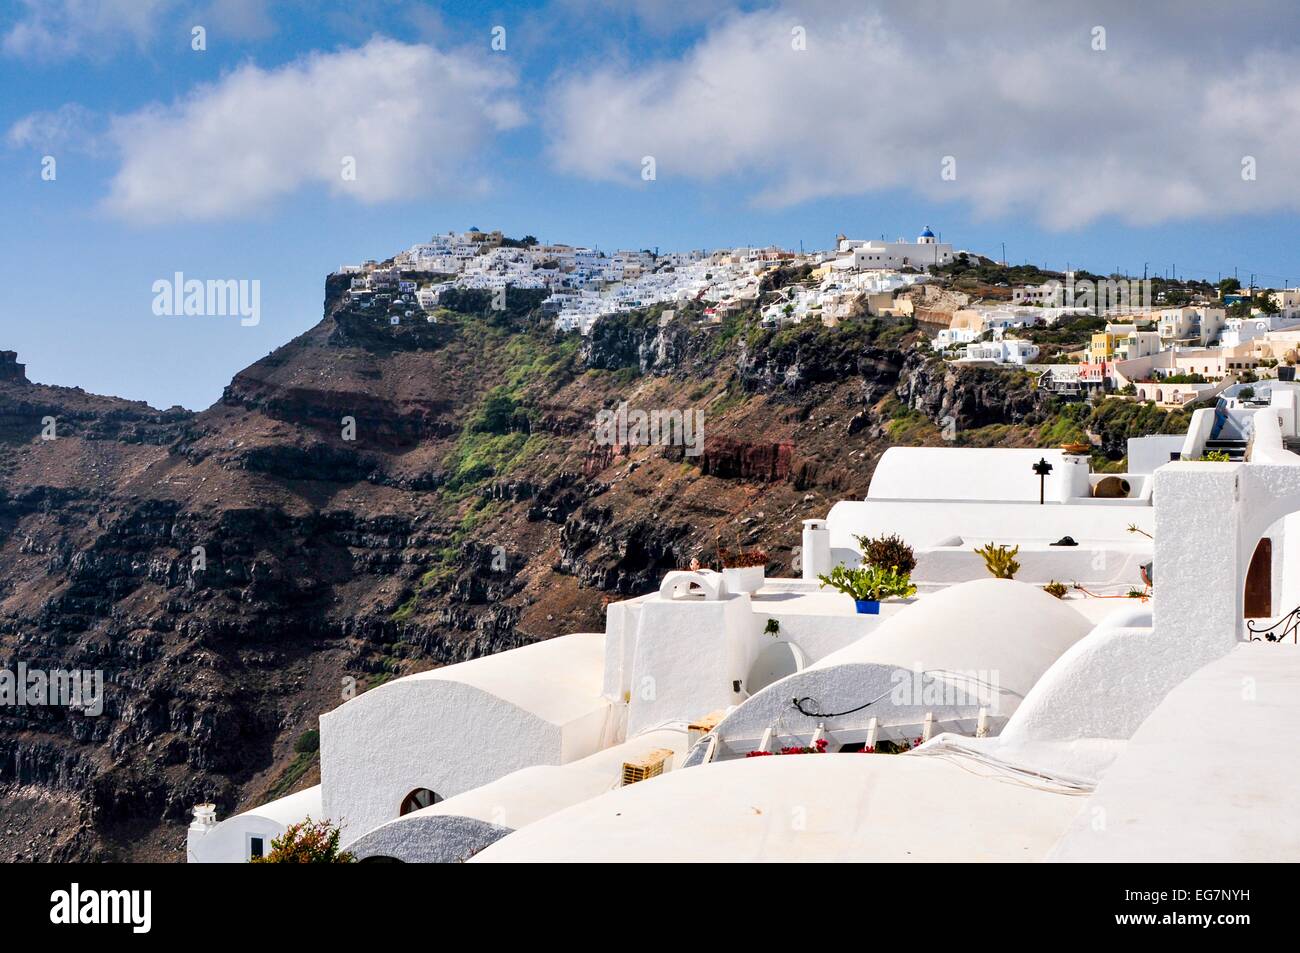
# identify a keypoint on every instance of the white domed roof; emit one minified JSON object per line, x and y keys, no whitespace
{"x":980,"y":624}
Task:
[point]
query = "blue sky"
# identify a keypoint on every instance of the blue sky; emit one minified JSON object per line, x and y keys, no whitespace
{"x":769,"y":123}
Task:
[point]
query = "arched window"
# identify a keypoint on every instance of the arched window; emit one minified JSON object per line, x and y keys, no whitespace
{"x":420,"y":797}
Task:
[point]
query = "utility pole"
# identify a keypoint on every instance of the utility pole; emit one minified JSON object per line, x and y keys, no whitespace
{"x":1004,"y":254}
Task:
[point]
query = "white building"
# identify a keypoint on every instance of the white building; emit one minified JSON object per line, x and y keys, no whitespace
{"x":248,"y":835}
{"x":1237,"y":331}
{"x":1194,"y":325}
{"x":1002,"y":351}
{"x":926,"y":252}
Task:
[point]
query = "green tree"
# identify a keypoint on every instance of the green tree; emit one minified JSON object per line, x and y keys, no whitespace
{"x":499,"y":414}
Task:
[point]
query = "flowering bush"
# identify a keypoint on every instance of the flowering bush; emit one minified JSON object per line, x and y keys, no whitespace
{"x":893,"y":747}
{"x":743,"y":558}
{"x":307,"y":842}
{"x":818,"y":747}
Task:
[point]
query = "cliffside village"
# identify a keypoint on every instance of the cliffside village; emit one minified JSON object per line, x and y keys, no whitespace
{"x":587,"y":284}
{"x":1172,"y":355}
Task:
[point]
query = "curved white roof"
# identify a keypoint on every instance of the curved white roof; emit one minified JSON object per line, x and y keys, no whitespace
{"x":984,"y":624}
{"x":289,"y":809}
{"x":802,"y":808}
{"x":961,"y":473}
{"x":526,"y":796}
{"x":556,"y":680}
{"x":989,"y":640}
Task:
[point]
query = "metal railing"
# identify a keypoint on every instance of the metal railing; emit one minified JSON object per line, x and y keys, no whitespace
{"x":1289,"y":625}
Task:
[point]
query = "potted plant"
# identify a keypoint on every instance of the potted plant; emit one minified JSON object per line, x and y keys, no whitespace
{"x":1000,"y":561}
{"x":743,"y":571}
{"x":868,"y":585}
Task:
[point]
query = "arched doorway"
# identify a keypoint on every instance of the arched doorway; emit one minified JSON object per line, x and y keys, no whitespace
{"x":1258,"y":595}
{"x":774,"y":663}
{"x":417,"y":799}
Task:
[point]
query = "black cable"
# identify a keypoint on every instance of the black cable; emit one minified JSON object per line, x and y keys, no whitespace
{"x":798,"y":703}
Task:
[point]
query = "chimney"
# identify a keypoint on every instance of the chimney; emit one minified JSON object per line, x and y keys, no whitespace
{"x":816,"y":549}
{"x":205,"y":819}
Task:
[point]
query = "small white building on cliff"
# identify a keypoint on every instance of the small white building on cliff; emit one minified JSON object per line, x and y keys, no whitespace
{"x":864,"y":254}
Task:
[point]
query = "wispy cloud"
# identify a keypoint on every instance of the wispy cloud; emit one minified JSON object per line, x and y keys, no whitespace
{"x":69,"y":126}
{"x":406,"y":119}
{"x":1036,"y":118}
{"x":55,"y":29}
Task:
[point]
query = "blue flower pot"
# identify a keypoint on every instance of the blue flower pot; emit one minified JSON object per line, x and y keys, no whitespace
{"x":868,"y":606}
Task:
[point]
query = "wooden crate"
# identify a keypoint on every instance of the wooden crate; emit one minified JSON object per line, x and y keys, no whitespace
{"x":649,"y":765}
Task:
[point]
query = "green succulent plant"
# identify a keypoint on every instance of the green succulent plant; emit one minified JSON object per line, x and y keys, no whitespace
{"x":1000,"y":561}
{"x":869,"y":583}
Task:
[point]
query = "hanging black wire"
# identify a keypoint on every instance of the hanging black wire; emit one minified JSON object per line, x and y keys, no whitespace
{"x":799,"y":702}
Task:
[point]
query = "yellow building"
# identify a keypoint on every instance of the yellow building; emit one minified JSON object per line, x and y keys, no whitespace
{"x":1107,"y":344}
{"x":1102,"y":349}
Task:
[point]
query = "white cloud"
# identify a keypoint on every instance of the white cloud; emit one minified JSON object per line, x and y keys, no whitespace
{"x":1039,"y":123}
{"x":412,"y":117}
{"x":53,"y":29}
{"x":68,"y":126}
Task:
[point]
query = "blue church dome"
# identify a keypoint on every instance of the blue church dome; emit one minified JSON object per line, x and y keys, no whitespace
{"x":927,"y":233}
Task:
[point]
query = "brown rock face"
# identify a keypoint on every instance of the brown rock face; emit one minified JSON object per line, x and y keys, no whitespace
{"x":731,"y":459}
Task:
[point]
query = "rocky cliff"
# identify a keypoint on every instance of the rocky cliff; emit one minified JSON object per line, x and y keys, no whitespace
{"x":371,"y":500}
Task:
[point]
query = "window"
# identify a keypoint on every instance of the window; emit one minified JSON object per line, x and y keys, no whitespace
{"x":420,"y":797}
{"x":256,"y":847}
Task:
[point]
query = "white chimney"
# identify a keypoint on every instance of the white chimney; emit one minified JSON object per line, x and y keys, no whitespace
{"x":816,"y":549}
{"x":205,"y":819}
{"x":1073,"y":480}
